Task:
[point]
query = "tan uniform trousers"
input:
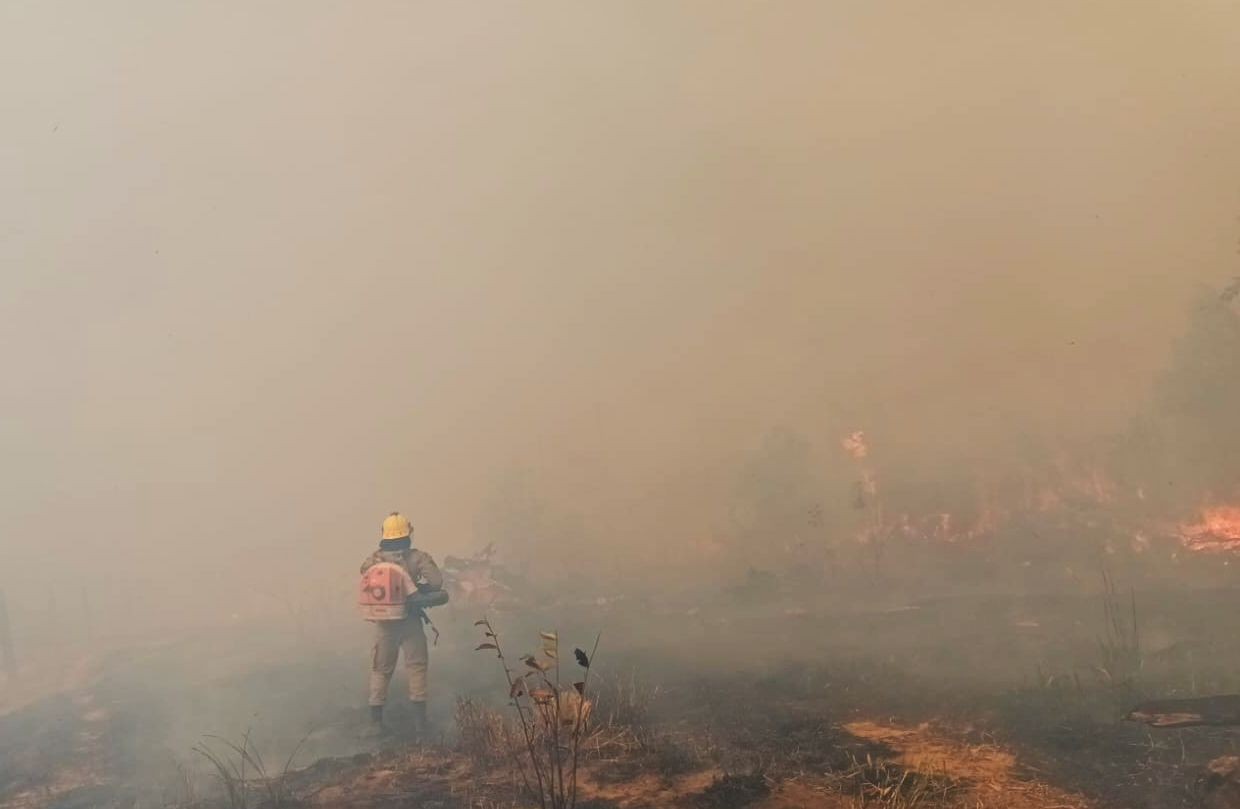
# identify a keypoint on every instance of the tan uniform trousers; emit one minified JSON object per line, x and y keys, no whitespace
{"x":392,"y":638}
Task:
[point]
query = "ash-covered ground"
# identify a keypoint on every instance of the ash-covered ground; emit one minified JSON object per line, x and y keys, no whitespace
{"x":767,"y":698}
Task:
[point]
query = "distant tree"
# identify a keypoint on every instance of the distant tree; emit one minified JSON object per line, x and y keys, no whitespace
{"x":1197,"y":400}
{"x":775,"y":501}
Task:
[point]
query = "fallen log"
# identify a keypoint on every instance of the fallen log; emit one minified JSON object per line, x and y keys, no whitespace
{"x":1221,"y":710}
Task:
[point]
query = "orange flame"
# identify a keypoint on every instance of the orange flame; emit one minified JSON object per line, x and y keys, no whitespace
{"x":1218,"y":531}
{"x":855,"y":445}
{"x":1068,"y":488}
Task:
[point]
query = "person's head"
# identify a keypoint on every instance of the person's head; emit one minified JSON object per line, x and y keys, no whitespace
{"x":395,"y":528}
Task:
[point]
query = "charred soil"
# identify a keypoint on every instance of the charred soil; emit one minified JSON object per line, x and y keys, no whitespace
{"x":678,"y":726}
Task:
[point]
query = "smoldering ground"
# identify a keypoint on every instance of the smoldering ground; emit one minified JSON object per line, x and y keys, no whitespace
{"x":744,"y":682}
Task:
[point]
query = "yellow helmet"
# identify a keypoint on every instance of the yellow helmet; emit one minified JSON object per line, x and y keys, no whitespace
{"x":396,"y":526}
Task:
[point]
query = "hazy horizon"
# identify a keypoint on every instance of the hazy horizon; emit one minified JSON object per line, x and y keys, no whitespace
{"x":271,"y":271}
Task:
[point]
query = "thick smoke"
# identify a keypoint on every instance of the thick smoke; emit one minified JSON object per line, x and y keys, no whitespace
{"x":605,"y":289}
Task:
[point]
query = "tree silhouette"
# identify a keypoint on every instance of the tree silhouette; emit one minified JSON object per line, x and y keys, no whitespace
{"x":1197,"y":401}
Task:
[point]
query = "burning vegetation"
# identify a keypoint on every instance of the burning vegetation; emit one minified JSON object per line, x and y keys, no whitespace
{"x":1218,"y":531}
{"x":1132,"y":493}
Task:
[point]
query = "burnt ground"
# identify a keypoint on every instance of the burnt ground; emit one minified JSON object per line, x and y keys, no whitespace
{"x":967,"y":702}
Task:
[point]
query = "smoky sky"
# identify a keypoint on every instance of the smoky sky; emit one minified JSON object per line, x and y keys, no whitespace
{"x":272,"y":270}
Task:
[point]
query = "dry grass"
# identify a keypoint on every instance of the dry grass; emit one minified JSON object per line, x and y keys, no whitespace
{"x":625,"y":701}
{"x":485,"y":738}
{"x":243,"y":773}
{"x":882,"y":784}
{"x":1119,"y":646}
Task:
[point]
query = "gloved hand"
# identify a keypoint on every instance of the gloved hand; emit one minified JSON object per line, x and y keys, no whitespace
{"x":427,"y":598}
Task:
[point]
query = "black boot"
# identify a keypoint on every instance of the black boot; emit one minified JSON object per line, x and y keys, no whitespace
{"x":374,"y":728}
{"x":421,"y":726}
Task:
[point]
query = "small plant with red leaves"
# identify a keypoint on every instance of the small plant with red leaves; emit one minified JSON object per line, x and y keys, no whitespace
{"x":553,"y":712}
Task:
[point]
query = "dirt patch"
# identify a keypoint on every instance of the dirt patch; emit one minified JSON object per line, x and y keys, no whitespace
{"x":647,"y":789}
{"x":987,"y":775}
{"x":422,"y":777}
{"x":797,"y":795}
{"x":924,"y":750}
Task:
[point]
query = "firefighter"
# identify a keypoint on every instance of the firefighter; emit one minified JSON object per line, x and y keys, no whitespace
{"x":408,"y":635}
